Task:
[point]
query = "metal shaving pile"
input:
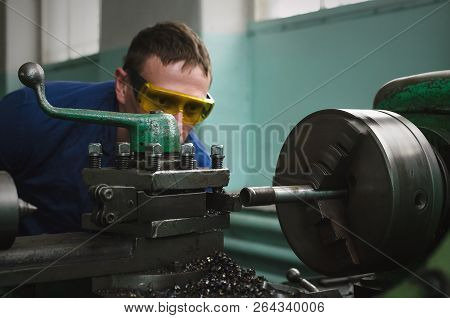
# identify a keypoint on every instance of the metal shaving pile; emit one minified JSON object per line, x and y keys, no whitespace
{"x":223,"y":278}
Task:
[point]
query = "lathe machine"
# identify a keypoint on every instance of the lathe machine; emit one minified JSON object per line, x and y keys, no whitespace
{"x":362,"y":201}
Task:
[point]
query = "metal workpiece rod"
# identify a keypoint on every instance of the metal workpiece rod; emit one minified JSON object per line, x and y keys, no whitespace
{"x":257,"y":196}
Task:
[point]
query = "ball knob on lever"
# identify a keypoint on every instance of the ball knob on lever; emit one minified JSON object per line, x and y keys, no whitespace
{"x":31,"y":74}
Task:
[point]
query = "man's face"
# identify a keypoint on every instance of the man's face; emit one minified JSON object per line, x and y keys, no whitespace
{"x":190,"y":80}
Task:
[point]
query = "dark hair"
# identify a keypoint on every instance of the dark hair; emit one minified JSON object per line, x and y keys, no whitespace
{"x":171,"y":42}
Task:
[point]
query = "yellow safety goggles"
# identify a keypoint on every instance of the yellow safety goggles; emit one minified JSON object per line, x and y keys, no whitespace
{"x":153,"y":98}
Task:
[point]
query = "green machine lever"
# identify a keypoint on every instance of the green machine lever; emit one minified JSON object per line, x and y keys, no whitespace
{"x":144,"y":129}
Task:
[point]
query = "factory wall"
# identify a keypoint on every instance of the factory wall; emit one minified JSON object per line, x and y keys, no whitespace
{"x":121,"y":20}
{"x":225,"y":35}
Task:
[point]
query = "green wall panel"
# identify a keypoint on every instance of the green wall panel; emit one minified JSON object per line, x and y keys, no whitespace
{"x":109,"y":60}
{"x":231,"y":88}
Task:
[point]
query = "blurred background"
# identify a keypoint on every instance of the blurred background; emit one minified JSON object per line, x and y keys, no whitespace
{"x":274,"y":62}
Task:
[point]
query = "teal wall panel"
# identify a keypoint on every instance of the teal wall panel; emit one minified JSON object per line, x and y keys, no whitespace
{"x":231,"y":88}
{"x":109,"y":60}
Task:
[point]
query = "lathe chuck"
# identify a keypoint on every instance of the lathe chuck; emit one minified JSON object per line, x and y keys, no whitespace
{"x":394,"y":191}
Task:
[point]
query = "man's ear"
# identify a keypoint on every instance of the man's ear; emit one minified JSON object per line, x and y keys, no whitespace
{"x":122,"y":86}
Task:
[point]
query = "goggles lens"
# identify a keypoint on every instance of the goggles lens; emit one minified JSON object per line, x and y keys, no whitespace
{"x":193,"y":109}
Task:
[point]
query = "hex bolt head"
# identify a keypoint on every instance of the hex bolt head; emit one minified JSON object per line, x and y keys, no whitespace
{"x":217,"y":156}
{"x":95,"y":149}
{"x":217,"y":150}
{"x":154,"y":149}
{"x":187,"y":156}
{"x":153,"y":155}
{"x":123,"y":149}
{"x":95,"y":155}
{"x":187,"y":149}
{"x":123,"y":152}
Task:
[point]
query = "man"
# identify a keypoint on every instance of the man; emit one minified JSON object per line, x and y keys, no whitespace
{"x":45,"y":156}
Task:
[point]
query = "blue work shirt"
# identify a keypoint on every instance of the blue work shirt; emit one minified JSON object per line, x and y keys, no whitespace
{"x":45,"y":156}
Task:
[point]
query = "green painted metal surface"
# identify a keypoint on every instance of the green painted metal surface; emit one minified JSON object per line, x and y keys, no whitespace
{"x":426,"y":94}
